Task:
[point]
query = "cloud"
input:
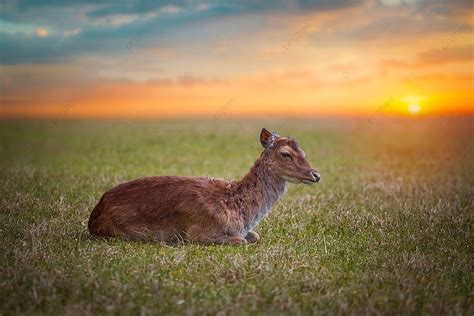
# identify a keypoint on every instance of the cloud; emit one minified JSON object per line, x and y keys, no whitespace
{"x":395,"y":3}
{"x":224,"y":7}
{"x":72,"y":32}
{"x":458,"y":54}
{"x":171,"y":9}
{"x":132,"y":7}
{"x":41,"y":32}
{"x":114,"y":27}
{"x":21,"y":48}
{"x":434,"y":57}
{"x":446,"y":8}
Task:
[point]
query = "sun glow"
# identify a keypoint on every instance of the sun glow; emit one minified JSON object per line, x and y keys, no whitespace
{"x":414,"y":108}
{"x":41,"y":32}
{"x":413,"y":104}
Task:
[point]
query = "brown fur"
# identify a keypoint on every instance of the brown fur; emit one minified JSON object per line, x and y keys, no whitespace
{"x":171,"y":208}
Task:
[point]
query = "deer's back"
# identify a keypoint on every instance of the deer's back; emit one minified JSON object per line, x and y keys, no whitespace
{"x":157,"y":207}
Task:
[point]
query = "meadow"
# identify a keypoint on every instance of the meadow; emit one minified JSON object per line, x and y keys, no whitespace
{"x":389,"y":230}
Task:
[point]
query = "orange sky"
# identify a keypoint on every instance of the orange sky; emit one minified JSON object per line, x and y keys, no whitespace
{"x":366,"y":58}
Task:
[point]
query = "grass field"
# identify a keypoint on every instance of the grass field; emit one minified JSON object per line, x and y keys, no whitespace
{"x":388,"y":230}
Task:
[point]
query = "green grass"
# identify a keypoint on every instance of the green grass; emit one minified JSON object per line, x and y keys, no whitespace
{"x":388,"y":230}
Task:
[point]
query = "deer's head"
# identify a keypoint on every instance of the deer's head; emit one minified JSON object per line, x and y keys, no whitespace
{"x":287,"y":159}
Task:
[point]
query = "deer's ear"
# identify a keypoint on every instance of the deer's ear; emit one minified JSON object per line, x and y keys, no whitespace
{"x":267,"y":138}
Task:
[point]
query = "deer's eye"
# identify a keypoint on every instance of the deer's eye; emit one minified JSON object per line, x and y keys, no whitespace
{"x":284,"y":154}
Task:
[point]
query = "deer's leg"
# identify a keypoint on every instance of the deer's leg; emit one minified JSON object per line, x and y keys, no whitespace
{"x":225,"y":240}
{"x":208,"y":236}
{"x":234,"y":241}
{"x":252,"y":237}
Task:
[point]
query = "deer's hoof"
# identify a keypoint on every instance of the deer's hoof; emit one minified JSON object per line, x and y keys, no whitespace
{"x":252,"y":237}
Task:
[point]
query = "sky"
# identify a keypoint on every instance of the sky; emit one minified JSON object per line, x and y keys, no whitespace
{"x":116,"y":59}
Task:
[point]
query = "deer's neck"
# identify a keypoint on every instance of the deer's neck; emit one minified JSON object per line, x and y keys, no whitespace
{"x":258,"y":190}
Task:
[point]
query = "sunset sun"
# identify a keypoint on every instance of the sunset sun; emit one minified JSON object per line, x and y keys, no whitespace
{"x":413,"y":104}
{"x":414,"y":108}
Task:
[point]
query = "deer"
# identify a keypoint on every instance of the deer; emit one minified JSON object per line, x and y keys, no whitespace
{"x":173,"y":209}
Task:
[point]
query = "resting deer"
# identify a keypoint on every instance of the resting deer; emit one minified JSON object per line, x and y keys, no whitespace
{"x":203,"y":210}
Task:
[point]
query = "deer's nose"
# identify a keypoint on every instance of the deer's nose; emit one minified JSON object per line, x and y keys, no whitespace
{"x":315,"y":175}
